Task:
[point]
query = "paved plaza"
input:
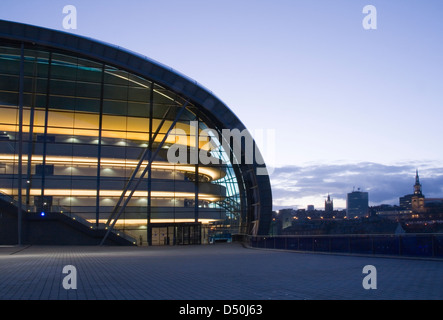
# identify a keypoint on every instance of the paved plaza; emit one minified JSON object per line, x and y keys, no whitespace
{"x":209,"y":272}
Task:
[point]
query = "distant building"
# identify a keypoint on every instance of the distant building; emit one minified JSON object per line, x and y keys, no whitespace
{"x":286,"y":217}
{"x":281,"y":219}
{"x":434,"y":206}
{"x":414,"y":206}
{"x":406,"y":202}
{"x":310,"y":207}
{"x":329,"y":205}
{"x":357,"y":203}
{"x":416,"y":200}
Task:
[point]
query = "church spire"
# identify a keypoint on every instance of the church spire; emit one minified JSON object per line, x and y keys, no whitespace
{"x":417,"y":185}
{"x":329,"y":205}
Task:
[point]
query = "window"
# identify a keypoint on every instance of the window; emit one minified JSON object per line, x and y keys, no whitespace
{"x":47,"y":170}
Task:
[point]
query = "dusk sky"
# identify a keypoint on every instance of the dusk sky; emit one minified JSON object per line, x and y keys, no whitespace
{"x":349,"y":107}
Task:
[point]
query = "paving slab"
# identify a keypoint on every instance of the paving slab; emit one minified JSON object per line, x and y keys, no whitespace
{"x":209,"y":272}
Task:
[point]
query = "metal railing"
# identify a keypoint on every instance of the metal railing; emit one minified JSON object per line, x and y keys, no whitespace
{"x":404,"y":245}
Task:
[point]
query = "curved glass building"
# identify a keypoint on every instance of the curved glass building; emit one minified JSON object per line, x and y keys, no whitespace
{"x":92,"y":133}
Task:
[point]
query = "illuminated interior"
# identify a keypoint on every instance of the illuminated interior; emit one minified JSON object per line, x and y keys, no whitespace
{"x":85,"y":127}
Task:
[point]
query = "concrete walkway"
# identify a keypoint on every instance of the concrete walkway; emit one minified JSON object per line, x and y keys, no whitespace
{"x":211,"y":272}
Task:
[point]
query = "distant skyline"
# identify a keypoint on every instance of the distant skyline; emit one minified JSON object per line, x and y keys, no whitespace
{"x":296,"y":187}
{"x":339,"y":97}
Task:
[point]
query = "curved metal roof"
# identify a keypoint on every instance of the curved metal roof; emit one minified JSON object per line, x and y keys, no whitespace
{"x":258,"y":187}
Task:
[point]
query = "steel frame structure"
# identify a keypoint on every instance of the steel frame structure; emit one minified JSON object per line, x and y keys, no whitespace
{"x":257,"y":203}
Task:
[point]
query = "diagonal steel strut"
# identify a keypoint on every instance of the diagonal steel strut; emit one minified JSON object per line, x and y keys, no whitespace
{"x":128,"y":198}
{"x":134,"y":172}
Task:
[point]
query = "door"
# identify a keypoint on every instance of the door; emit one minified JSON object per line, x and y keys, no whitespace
{"x":161,"y":236}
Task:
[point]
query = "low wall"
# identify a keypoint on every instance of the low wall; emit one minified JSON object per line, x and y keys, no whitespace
{"x":407,"y":245}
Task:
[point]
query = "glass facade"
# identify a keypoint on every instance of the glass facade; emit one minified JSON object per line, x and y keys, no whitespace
{"x":94,"y":140}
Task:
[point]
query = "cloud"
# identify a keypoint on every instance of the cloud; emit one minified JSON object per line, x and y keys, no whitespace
{"x":298,"y":186}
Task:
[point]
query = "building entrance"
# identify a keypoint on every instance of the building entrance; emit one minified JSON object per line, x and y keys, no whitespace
{"x":175,"y":234}
{"x":162,"y":236}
